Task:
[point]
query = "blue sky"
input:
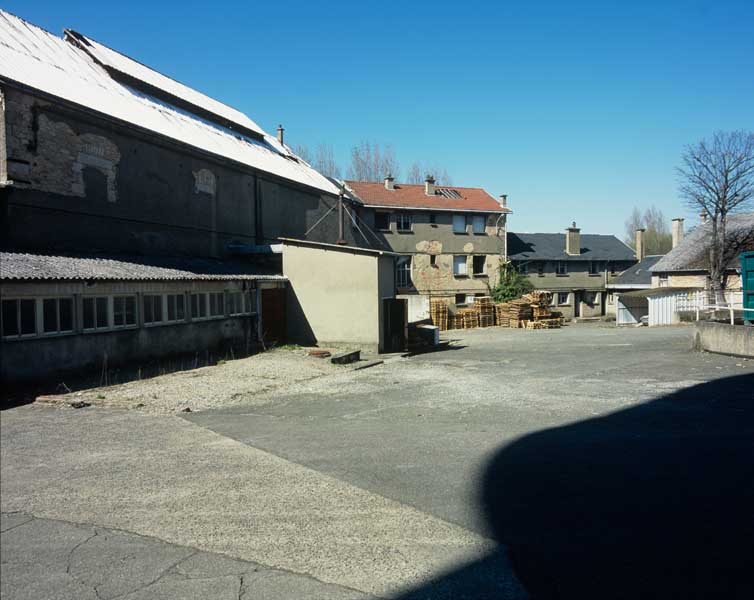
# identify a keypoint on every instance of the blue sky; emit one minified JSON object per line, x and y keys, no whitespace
{"x":579,"y":110}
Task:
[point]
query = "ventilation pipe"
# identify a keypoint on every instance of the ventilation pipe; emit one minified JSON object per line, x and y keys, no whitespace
{"x":280,"y":133}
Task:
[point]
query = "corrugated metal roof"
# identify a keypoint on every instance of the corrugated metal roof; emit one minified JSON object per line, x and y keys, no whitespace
{"x":692,"y":253}
{"x":40,"y":60}
{"x":19,"y":266}
{"x":551,"y":246}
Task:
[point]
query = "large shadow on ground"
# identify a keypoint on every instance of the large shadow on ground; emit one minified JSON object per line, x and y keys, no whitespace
{"x":655,"y":501}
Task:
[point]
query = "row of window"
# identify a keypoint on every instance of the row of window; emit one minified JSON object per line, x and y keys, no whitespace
{"x":460,"y":268}
{"x":561,"y":267}
{"x":29,"y":317}
{"x":404,"y":221}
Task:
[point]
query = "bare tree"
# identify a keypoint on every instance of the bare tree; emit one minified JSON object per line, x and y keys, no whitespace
{"x":303,"y":152}
{"x":657,"y":236}
{"x":419,"y":171}
{"x":371,"y":162}
{"x":717,"y":179}
{"x":325,"y":161}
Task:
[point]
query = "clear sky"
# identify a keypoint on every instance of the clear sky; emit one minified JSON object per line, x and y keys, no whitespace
{"x":578,"y":110}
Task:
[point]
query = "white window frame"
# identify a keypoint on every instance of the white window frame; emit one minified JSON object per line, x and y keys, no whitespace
{"x":403,"y":277}
{"x":663,"y":280}
{"x":199,"y":296}
{"x":561,"y":268}
{"x":567,"y":298}
{"x":19,"y":335}
{"x":41,"y":315}
{"x":166,"y":308}
{"x":125,"y":298}
{"x":458,"y":261}
{"x":475,"y":220}
{"x":108,"y":315}
{"x":457,"y":229}
{"x":402,"y":219}
{"x":162,"y":304}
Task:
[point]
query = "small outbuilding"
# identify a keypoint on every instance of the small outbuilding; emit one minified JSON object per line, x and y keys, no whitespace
{"x":342,"y":295}
{"x":630,"y":304}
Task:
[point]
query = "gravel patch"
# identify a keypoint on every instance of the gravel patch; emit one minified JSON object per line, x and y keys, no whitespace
{"x":225,"y":384}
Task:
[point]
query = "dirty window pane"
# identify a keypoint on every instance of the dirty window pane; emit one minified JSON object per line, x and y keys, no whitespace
{"x":66,"y":314}
{"x":478,"y":224}
{"x":102,"y":312}
{"x":28,"y":317}
{"x":119,"y":313}
{"x":130,"y":310}
{"x":49,"y":315}
{"x":459,"y":265}
{"x":152,"y":308}
{"x":88,"y":313}
{"x":179,"y":308}
{"x":459,"y":223}
{"x":10,"y":318}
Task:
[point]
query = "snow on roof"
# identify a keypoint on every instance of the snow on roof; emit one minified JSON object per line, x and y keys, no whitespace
{"x":109,"y":58}
{"x":35,"y":58}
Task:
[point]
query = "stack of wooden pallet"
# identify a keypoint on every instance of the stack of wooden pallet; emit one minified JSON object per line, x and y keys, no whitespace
{"x":438,"y":313}
{"x":467,"y":318}
{"x":502,"y":316}
{"x":520,"y":311}
{"x":485,"y":308}
{"x":544,"y":324}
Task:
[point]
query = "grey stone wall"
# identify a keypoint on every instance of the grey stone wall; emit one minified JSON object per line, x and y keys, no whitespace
{"x":724,"y":338}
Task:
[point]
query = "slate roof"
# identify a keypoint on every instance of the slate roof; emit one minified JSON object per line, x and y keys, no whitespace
{"x":67,"y":69}
{"x":551,"y":246}
{"x":639,"y":275}
{"x":406,"y":195}
{"x":691,"y":254}
{"x":18,"y":266}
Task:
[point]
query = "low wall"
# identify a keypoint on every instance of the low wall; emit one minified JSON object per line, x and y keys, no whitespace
{"x":724,"y":338}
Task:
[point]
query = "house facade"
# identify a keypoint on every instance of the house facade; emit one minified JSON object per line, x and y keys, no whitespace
{"x":117,"y":171}
{"x":576,"y":268}
{"x":450,"y":239}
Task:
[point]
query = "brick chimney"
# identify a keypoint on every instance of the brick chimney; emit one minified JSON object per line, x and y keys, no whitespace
{"x":677,"y":231}
{"x":429,"y":185}
{"x":280,"y":133}
{"x":573,"y":240}
{"x":640,"y":248}
{"x":504,"y":200}
{"x":389,"y":182}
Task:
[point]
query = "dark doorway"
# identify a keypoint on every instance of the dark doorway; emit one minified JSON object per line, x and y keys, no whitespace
{"x":395,"y":313}
{"x":603,"y":302}
{"x":273,"y":316}
{"x":577,"y":296}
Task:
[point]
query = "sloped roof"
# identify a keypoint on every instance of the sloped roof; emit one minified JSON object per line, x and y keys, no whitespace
{"x":551,"y":246}
{"x":692,"y":253}
{"x":37,"y":59}
{"x":638,"y":275}
{"x":406,"y":195}
{"x":20,"y":266}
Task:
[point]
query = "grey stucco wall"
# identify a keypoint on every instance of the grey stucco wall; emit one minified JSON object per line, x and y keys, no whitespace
{"x":87,"y":184}
{"x":724,"y":338}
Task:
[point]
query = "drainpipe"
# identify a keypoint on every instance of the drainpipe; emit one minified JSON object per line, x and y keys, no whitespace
{"x":340,"y":241}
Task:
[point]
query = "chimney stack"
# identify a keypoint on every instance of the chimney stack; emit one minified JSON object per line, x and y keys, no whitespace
{"x":389,"y":182}
{"x":429,"y":185}
{"x":573,"y":240}
{"x":677,"y":231}
{"x":504,"y":200}
{"x":280,"y":133}
{"x":703,"y":216}
{"x":640,"y":250}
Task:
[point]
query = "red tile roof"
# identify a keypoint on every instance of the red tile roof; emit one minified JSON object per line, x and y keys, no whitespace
{"x":412,"y":196}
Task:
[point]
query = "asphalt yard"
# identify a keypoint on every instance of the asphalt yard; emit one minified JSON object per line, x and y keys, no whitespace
{"x":425,"y":477}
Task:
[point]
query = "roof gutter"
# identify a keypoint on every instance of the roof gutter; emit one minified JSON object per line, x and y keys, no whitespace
{"x":505,"y":211}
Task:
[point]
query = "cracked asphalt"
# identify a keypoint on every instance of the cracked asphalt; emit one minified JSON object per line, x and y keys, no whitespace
{"x":44,"y":558}
{"x":357,"y":484}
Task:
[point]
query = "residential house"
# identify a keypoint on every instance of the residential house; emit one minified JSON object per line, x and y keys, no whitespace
{"x":111,"y":172}
{"x":451,"y":239}
{"x":575,"y":268}
{"x":680,"y":279}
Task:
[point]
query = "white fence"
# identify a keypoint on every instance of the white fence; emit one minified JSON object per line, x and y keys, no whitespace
{"x":665,"y":308}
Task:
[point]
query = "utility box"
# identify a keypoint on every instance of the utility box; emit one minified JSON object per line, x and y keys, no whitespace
{"x":747,"y":283}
